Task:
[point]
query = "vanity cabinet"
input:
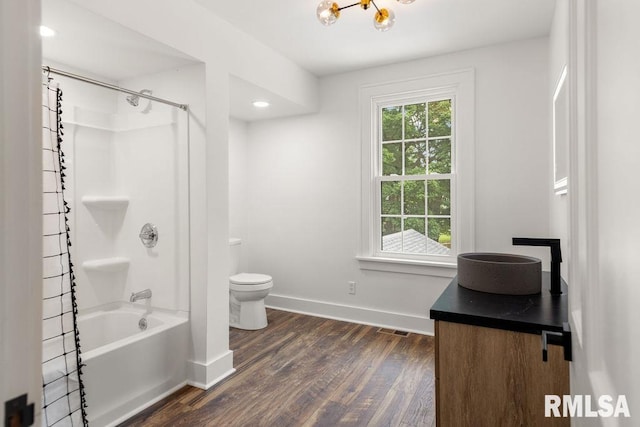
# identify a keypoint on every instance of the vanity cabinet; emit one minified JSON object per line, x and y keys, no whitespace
{"x":489,"y":364}
{"x":492,"y":377}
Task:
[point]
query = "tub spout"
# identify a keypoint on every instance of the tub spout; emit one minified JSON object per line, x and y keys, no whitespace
{"x":135,"y":296}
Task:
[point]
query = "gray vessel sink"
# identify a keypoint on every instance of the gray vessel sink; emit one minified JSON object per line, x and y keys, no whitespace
{"x":497,"y":273}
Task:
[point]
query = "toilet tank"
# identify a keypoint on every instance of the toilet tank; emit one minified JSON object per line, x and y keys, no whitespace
{"x":234,"y":249}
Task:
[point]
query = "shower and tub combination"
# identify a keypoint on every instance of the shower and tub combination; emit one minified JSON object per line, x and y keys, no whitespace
{"x":127,"y":188}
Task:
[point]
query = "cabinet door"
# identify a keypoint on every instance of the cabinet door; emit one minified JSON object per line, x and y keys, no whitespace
{"x":491,"y":377}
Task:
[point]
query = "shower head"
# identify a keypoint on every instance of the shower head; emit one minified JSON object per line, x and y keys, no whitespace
{"x":134,"y":100}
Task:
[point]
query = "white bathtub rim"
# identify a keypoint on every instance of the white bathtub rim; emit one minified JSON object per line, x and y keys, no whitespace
{"x":169,"y":319}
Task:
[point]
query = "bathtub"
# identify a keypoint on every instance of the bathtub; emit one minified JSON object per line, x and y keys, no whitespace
{"x":128,"y":369}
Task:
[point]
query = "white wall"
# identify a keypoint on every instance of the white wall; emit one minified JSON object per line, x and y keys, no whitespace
{"x":304,"y":186}
{"x":618,"y":174}
{"x":239,"y":186}
{"x":20,"y":204}
{"x":558,"y":58}
{"x":606,"y":213}
{"x":602,"y":210}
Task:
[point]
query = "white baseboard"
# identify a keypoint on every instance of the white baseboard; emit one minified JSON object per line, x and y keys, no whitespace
{"x":366,"y":316}
{"x":206,"y":375}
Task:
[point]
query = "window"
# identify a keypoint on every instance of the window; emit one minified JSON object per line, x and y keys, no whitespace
{"x":417,"y":180}
{"x":414,"y":174}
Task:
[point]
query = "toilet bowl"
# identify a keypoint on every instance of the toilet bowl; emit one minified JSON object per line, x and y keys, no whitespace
{"x":247,"y":292}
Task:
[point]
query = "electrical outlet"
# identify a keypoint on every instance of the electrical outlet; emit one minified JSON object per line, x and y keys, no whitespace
{"x":352,"y":288}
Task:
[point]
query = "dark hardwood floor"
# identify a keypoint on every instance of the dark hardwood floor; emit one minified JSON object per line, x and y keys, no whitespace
{"x":309,"y":371}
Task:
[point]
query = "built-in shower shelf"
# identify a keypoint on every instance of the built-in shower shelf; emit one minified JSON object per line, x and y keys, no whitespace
{"x":125,"y":121}
{"x":107,"y":265}
{"x":106,"y":202}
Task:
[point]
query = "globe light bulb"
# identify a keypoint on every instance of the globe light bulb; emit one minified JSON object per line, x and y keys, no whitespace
{"x":384,"y":19}
{"x":327,"y":12}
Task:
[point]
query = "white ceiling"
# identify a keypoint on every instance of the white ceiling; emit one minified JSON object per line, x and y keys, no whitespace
{"x":423,"y":28}
{"x":95,"y":44}
{"x":101,"y":47}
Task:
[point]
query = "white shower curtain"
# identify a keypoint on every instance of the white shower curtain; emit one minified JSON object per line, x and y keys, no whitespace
{"x":63,"y":393}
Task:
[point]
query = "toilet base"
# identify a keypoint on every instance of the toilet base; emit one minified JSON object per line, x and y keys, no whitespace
{"x":248,"y":315}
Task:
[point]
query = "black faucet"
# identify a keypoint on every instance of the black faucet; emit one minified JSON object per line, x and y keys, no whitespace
{"x":556,"y":258}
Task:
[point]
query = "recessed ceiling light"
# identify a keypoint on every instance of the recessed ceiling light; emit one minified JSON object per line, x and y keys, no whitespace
{"x":46,"y":31}
{"x":260,"y":104}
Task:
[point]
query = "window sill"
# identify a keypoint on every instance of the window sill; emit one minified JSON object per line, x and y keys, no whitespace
{"x":408,"y":266}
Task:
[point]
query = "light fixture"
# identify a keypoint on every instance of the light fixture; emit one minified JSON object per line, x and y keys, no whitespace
{"x":46,"y":31}
{"x":384,"y":19}
{"x":328,"y":13}
{"x":260,"y":104}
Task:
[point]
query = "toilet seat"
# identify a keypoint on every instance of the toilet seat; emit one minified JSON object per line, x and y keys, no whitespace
{"x":250,"y":282}
{"x":250,"y":279}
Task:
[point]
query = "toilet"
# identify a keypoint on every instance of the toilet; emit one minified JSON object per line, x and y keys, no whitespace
{"x":247,"y":292}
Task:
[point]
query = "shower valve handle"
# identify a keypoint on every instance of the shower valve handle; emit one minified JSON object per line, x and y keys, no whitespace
{"x":149,"y":235}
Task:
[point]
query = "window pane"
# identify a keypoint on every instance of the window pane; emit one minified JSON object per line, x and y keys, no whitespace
{"x":413,"y":237}
{"x":414,"y":197}
{"x":415,"y":158}
{"x":440,"y":156}
{"x":391,"y":123}
{"x":391,"y":236}
{"x":440,"y":118}
{"x":439,"y":194}
{"x":392,"y":159}
{"x":390,"y":198}
{"x":439,"y":233}
{"x":415,"y":118}
{"x":416,"y":224}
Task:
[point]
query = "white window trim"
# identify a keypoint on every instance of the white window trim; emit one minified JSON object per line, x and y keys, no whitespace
{"x":460,"y":86}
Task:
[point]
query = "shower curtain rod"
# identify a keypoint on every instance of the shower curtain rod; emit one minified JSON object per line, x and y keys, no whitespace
{"x":48,"y":69}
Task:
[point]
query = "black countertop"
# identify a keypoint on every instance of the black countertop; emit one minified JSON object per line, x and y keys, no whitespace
{"x":526,"y":313}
